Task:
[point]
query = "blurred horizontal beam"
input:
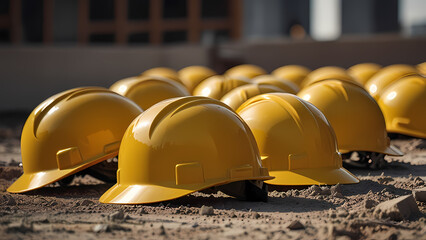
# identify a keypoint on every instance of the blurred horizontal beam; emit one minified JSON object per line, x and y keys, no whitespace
{"x":215,"y":24}
{"x":137,"y":26}
{"x":178,"y":24}
{"x":101,"y":27}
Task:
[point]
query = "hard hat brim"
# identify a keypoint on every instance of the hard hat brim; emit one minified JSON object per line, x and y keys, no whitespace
{"x":31,"y":181}
{"x":391,"y":151}
{"x":144,"y":194}
{"x":316,"y":176}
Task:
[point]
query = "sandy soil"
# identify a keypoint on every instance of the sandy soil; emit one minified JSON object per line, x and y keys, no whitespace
{"x":74,"y":212}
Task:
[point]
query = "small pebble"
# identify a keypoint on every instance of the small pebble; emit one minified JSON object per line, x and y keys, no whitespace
{"x":370,"y":203}
{"x":119,"y":215}
{"x":336,"y":189}
{"x":325,"y":191}
{"x":206,"y":210}
{"x":295,"y":225}
{"x":255,"y":215}
{"x":11,"y":201}
{"x":315,"y":190}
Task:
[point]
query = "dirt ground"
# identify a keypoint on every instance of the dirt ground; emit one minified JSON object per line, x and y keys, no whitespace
{"x":74,"y":212}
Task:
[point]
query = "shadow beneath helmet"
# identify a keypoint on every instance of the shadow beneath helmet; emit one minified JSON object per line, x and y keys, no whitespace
{"x":76,"y":191}
{"x":84,"y":186}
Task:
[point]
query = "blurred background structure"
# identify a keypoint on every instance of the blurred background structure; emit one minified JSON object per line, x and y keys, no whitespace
{"x":47,"y":46}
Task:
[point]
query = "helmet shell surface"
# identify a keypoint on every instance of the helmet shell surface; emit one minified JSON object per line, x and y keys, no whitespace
{"x":363,"y":72}
{"x":162,"y":72}
{"x":386,"y":76}
{"x":192,"y":76}
{"x":293,"y":73}
{"x":149,"y":90}
{"x":404,"y":106}
{"x":245,"y":70}
{"x":180,"y":146}
{"x":354,"y":115}
{"x":295,"y":140}
{"x":326,"y":73}
{"x":285,"y":85}
{"x":217,"y":86}
{"x":71,"y":131}
{"x":239,"y":95}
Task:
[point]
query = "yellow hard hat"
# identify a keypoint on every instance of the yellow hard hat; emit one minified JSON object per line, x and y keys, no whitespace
{"x":72,"y":131}
{"x":181,"y":146}
{"x":403,"y":106}
{"x":245,"y":70}
{"x":354,"y":115}
{"x":192,"y":76}
{"x":149,"y":90}
{"x":328,"y":72}
{"x":386,"y":76}
{"x":285,"y":85}
{"x":162,"y":72}
{"x":421,"y":68}
{"x":363,"y":72}
{"x":293,"y":73}
{"x":295,"y":140}
{"x":217,"y":86}
{"x":239,"y":95}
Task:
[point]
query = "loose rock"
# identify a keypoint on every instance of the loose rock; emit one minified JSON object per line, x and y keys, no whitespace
{"x":397,"y":209}
{"x":370,"y":203}
{"x":420,"y":194}
{"x":325,"y":191}
{"x":86,"y":202}
{"x":11,"y":201}
{"x":101,"y":228}
{"x":385,"y":179}
{"x":418,"y":181}
{"x":206,"y":210}
{"x":255,"y":215}
{"x":315,"y":190}
{"x":232,"y":214}
{"x":338,"y":195}
{"x":142,"y":211}
{"x":336,"y":189}
{"x":119,"y":215}
{"x":295,"y":225}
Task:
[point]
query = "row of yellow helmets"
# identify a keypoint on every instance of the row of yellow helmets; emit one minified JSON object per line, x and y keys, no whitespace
{"x":236,"y":132}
